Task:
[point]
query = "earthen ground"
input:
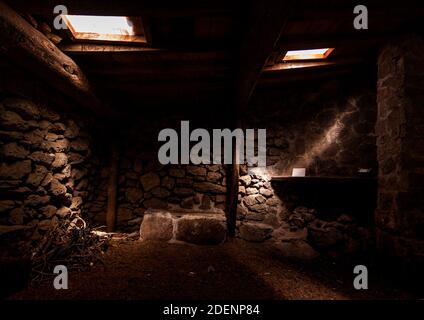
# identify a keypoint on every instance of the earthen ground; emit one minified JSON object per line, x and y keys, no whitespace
{"x":235,"y":270}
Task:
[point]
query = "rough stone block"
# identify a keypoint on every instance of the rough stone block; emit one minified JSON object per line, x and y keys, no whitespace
{"x":155,"y":203}
{"x":25,"y":108}
{"x":156,"y":225}
{"x":149,"y":181}
{"x":255,"y":232}
{"x":177,"y":173}
{"x":42,"y":157}
{"x":16,"y":170}
{"x":209,"y":187}
{"x":196,"y":170}
{"x":202,"y":230}
{"x":246,"y":180}
{"x":37,"y":176}
{"x":297,"y":249}
{"x":14,"y":151}
{"x":61,"y":159}
{"x":134,"y":195}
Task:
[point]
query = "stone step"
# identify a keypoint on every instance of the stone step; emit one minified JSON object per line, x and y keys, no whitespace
{"x":195,"y":228}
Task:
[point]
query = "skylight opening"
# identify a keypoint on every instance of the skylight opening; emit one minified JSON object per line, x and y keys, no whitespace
{"x":105,"y":28}
{"x":310,"y":54}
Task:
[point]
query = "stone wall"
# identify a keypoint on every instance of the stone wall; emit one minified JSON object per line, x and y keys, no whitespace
{"x":49,"y":171}
{"x":146,"y":184}
{"x":400,"y":216}
{"x":175,"y":188}
{"x":329,"y":130}
{"x":45,"y":165}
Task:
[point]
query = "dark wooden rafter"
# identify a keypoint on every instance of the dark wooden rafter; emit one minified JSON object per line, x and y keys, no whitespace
{"x":161,"y":76}
{"x":294,"y":66}
{"x":19,"y":82}
{"x":267,"y":21}
{"x":302,"y":77}
{"x":265,"y":25}
{"x":81,"y":48}
{"x":170,"y":8}
{"x":365,"y":39}
{"x":30,"y":49}
{"x":342,"y":10}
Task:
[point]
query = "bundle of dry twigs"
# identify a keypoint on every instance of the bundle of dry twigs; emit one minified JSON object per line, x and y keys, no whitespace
{"x":69,"y":243}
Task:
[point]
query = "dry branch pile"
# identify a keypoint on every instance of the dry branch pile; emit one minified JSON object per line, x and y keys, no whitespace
{"x":68,"y":243}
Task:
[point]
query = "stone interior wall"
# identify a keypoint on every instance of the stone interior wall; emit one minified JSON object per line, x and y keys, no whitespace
{"x":146,"y":184}
{"x":53,"y":167}
{"x":329,"y":130}
{"x":46,"y":166}
{"x":399,"y":215}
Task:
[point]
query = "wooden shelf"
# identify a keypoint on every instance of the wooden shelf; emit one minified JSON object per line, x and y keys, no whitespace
{"x":356,"y":196}
{"x":318,"y":179}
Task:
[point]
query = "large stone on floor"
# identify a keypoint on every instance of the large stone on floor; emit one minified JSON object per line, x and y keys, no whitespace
{"x":325,"y":235}
{"x":297,"y":249}
{"x":203,"y":230}
{"x":255,"y":232}
{"x":156,"y":225}
{"x":285,"y":234}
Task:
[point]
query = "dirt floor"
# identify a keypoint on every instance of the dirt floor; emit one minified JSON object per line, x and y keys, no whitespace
{"x":235,"y":270}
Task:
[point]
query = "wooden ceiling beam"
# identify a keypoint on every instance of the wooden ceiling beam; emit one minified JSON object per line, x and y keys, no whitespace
{"x":305,"y":75}
{"x":299,"y":66}
{"x":142,"y":74}
{"x":266,"y":22}
{"x":82,"y":48}
{"x":30,"y":49}
{"x":341,"y":10}
{"x":161,"y":87}
{"x":139,"y":55}
{"x":299,"y":42}
{"x":170,"y":8}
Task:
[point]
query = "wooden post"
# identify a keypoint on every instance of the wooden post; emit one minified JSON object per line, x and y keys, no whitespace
{"x":112,"y":191}
{"x":233,"y":174}
{"x":232,"y":192}
{"x":267,"y":19}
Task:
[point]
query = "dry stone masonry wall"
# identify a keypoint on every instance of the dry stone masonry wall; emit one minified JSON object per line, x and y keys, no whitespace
{"x":329,"y":130}
{"x":45,"y":166}
{"x":399,"y":215}
{"x":50,"y":170}
{"x":143,"y":184}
